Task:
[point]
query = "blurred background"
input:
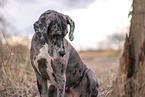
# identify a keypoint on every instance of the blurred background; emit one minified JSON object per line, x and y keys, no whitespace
{"x":101,"y":27}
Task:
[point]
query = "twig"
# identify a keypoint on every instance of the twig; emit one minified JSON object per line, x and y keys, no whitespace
{"x":108,"y":91}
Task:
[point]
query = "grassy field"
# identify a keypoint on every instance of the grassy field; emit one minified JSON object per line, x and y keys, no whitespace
{"x":17,"y":77}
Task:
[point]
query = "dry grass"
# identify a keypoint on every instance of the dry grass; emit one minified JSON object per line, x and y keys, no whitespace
{"x":16,"y":74}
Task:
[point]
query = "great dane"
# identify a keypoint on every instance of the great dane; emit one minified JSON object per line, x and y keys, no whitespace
{"x":60,"y":71}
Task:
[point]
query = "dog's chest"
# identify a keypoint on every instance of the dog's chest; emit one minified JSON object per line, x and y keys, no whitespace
{"x":43,"y":64}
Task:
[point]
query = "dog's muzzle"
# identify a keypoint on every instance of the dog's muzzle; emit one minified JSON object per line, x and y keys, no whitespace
{"x":62,"y":53}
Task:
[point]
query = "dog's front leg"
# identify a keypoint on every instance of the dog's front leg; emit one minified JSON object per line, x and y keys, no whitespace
{"x":61,"y":80}
{"x":42,"y":87}
{"x":59,"y":67}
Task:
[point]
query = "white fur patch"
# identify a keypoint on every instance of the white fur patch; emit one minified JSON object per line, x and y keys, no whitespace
{"x":44,"y":54}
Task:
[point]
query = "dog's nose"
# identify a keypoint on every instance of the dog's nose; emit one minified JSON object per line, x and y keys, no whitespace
{"x":62,"y":53}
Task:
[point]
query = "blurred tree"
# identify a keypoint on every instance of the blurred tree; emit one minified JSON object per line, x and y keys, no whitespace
{"x":2,"y":2}
{"x":116,"y":39}
{"x":3,"y":24}
{"x":130,"y":81}
{"x":2,"y":21}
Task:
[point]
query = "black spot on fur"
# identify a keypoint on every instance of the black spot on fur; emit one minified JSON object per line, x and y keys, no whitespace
{"x":74,"y":83}
{"x":54,"y":26}
{"x":62,"y":69}
{"x":49,"y":13}
{"x":61,"y":90}
{"x":74,"y":73}
{"x":34,"y":58}
{"x":39,"y":87}
{"x":53,"y":67}
{"x":58,"y":25}
{"x":76,"y":65}
{"x":63,"y":80}
{"x":54,"y":76}
{"x":42,"y":65}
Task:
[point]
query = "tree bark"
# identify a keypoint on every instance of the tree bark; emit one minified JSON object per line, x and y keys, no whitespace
{"x":130,"y":81}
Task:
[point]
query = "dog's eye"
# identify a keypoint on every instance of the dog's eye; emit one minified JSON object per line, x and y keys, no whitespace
{"x":44,"y":34}
{"x":55,"y":36}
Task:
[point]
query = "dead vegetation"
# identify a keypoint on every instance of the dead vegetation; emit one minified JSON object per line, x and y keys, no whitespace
{"x":16,"y":75}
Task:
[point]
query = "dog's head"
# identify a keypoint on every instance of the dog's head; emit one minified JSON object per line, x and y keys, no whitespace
{"x":51,"y":28}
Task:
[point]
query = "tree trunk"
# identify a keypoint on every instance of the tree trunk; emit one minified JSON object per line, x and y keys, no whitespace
{"x":130,"y":81}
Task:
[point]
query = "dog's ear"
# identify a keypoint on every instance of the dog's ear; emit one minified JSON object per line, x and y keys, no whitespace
{"x":72,"y":27}
{"x":41,"y":29}
{"x":41,"y":25}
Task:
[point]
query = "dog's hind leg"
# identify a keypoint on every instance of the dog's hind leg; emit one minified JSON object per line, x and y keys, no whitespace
{"x":93,"y":83}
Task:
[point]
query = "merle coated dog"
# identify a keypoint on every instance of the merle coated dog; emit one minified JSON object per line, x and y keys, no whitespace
{"x":60,"y":71}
